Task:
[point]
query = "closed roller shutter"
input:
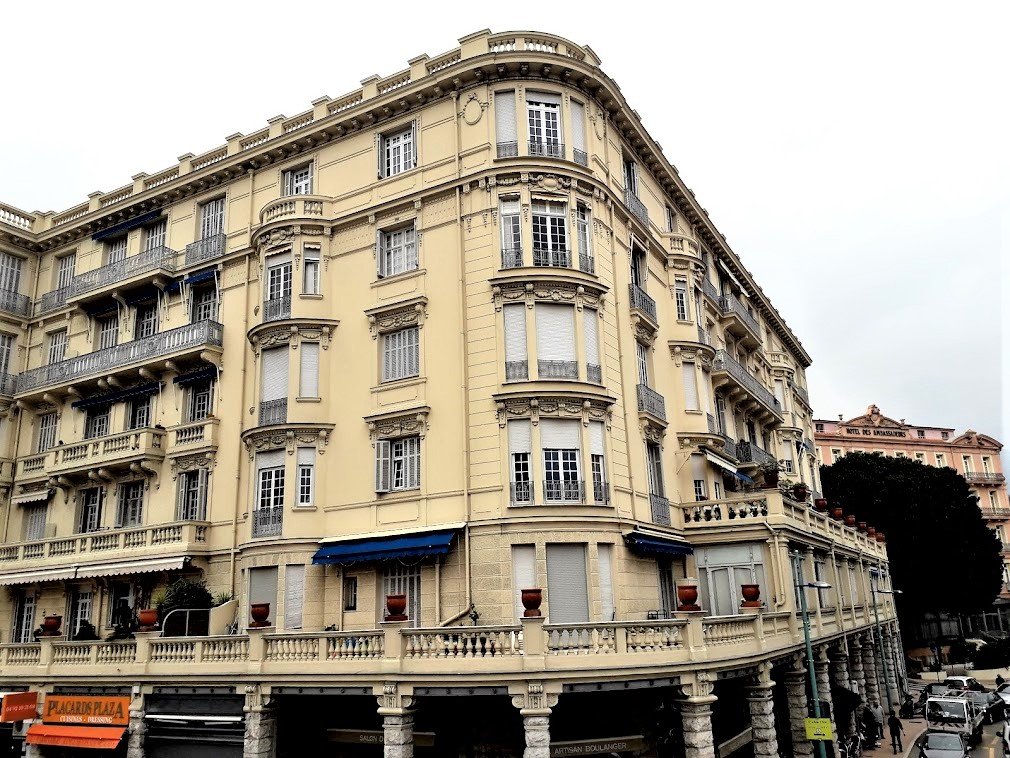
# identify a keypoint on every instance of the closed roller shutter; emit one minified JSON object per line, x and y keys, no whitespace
{"x":520,"y":437}
{"x":275,"y":374}
{"x":270,"y":459}
{"x":559,"y":434}
{"x":578,"y":126}
{"x":567,"y":592}
{"x":524,"y":573}
{"x":309,"y":385}
{"x":515,"y":333}
{"x":605,"y":557}
{"x":596,"y":438}
{"x":505,"y":116}
{"x":555,"y":332}
{"x":294,"y":594}
{"x":690,"y":385}
{"x":263,"y":587}
{"x":591,"y":332}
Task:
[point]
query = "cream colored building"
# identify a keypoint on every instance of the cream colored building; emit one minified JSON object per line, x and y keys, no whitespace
{"x":460,"y":332}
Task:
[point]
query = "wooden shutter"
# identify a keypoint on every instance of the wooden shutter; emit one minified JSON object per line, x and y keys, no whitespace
{"x":275,"y":374}
{"x":578,"y":126}
{"x":524,"y":574}
{"x":515,"y":332}
{"x":555,"y":332}
{"x":690,"y":377}
{"x":591,"y":335}
{"x":604,"y":553}
{"x":309,"y":384}
{"x":567,"y":590}
{"x":382,"y":465}
{"x":559,"y":434}
{"x":505,"y":116}
{"x":294,"y":594}
{"x":520,"y":436}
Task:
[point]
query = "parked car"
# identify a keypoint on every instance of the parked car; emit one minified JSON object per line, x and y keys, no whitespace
{"x":964,"y":683}
{"x":989,"y":703}
{"x":942,"y":745}
{"x":1004,"y":692}
{"x":954,"y":714}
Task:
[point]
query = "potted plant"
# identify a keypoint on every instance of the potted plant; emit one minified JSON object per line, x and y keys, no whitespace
{"x":800,"y":492}
{"x":770,"y":474}
{"x":396,"y":607}
{"x":532,"y":598}
{"x":51,"y":624}
{"x":751,"y":595}
{"x":850,"y":520}
{"x":687,"y":595}
{"x":147,"y":618}
{"x":837,"y":513}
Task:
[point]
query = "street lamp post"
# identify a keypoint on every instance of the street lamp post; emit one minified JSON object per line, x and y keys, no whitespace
{"x":802,"y":587}
{"x":874,"y":590}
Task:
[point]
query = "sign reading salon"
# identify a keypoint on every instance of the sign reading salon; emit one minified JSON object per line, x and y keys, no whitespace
{"x":93,"y":710}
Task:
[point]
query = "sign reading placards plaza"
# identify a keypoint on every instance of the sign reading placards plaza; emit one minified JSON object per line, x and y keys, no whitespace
{"x":97,"y":710}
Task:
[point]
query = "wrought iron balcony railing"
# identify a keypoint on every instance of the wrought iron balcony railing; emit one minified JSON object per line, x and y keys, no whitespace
{"x":521,"y":493}
{"x":547,"y":149}
{"x":640,"y":301}
{"x":8,"y":384}
{"x":749,"y":452}
{"x":729,"y":304}
{"x":113,"y":358}
{"x":601,"y":491}
{"x":660,"y":507}
{"x":556,"y":257}
{"x":725,"y":362}
{"x":557,"y":369}
{"x":568,"y":491}
{"x":156,"y":259}
{"x":268,"y":522}
{"x":15,"y":302}
{"x":650,"y":401}
{"x":580,"y":156}
{"x":636,"y":206}
{"x":508,"y":149}
{"x":703,"y":336}
{"x":50,"y":301}
{"x":729,"y":446}
{"x":274,"y":412}
{"x":206,"y":249}
{"x":511,"y":257}
{"x":517,"y":371}
{"x":277,"y":308}
{"x":711,"y":290}
{"x":800,"y":392}
{"x":984,"y":477}
{"x":587,"y":263}
{"x":594,"y":373}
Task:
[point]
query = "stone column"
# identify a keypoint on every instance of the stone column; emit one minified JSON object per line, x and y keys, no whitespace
{"x":856,"y":667}
{"x":762,"y":715}
{"x":889,"y":673}
{"x":841,"y":677}
{"x":696,"y":724}
{"x":824,"y":684}
{"x":138,"y":728}
{"x":260,"y":725}
{"x":870,"y":671}
{"x":796,"y":695}
{"x":395,"y":707}
{"x":535,"y":704}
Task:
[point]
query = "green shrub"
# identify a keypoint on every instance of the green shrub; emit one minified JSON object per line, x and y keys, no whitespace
{"x":995,"y":655}
{"x":185,"y":593}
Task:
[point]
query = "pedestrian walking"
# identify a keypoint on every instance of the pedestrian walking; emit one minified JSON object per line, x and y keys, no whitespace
{"x":878,"y":716}
{"x":895,"y":728}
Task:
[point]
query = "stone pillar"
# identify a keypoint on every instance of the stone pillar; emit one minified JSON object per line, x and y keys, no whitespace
{"x":762,"y":715}
{"x":890,"y":674}
{"x":796,"y":695}
{"x":537,"y":731}
{"x":856,"y":667}
{"x":535,"y":704}
{"x":841,"y":677}
{"x":870,"y":671}
{"x":696,"y":724}
{"x":824,"y":684}
{"x":395,"y":707}
{"x":260,"y":724}
{"x":138,"y":728}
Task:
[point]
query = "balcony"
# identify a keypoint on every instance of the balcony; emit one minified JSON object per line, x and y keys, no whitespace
{"x":267,"y":522}
{"x":542,"y":149}
{"x":116,"y":451}
{"x":7,"y":384}
{"x":642,"y":303}
{"x":728,"y":370}
{"x":195,"y":434}
{"x":651,"y":402}
{"x":273,"y":412}
{"x":192,"y":338}
{"x":729,"y":446}
{"x":660,"y":507}
{"x":637,"y":207}
{"x":521,"y":493}
{"x":601,"y":492}
{"x":508,"y":149}
{"x":711,"y":291}
{"x":277,"y":308}
{"x":983,"y":477}
{"x":15,"y":303}
{"x":749,"y":452}
{"x":311,"y":207}
{"x":587,"y":263}
{"x":740,"y":323}
{"x":206,"y":249}
{"x":581,"y":157}
{"x":567,"y":491}
{"x":150,"y":261}
{"x":511,"y":257}
{"x":801,"y":393}
{"x":554,"y":257}
{"x":557,"y":369}
{"x":52,"y":301}
{"x":594,"y":373}
{"x":517,"y":371}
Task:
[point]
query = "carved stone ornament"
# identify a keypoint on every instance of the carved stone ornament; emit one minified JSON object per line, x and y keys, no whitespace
{"x":288,"y":439}
{"x":702,"y":687}
{"x":192,"y":463}
{"x":392,"y":699}
{"x":472,"y":110}
{"x":535,"y":408}
{"x":406,"y":423}
{"x":397,"y":316}
{"x":652,"y":431}
{"x":536,"y":699}
{"x":552,"y":292}
{"x":645,"y":330}
{"x":291,"y":334}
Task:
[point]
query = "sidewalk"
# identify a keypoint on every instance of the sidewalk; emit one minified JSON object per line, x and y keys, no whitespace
{"x":913,"y":728}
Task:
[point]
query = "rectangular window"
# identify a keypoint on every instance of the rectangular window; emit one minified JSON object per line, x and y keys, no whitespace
{"x":671,"y":220}
{"x":944,"y":435}
{"x":690,"y":377}
{"x":278,"y":287}
{"x":397,"y":464}
{"x":201,"y":397}
{"x":306,"y":475}
{"x":147,"y":321}
{"x":192,"y":496}
{"x":654,"y":466}
{"x":941,"y":460}
{"x":591,"y":343}
{"x":631,"y":176}
{"x":506,"y":133}
{"x":212,"y":218}
{"x":263,"y":582}
{"x":667,"y":588}
{"x":921,"y":457}
{"x":80,"y":610}
{"x":639,"y":266}
{"x":46,"y":432}
{"x":680,"y":296}
{"x":604,"y":559}
{"x":350,"y":593}
{"x":818,"y":427}
{"x":787,"y":456}
{"x":586,"y":262}
{"x":699,"y":490}
{"x":397,"y":151}
{"x":986,"y":464}
{"x":550,"y":234}
{"x":562,"y":451}
{"x":90,"y":519}
{"x":579,"y":153}
{"x":274,"y":388}
{"x":511,"y":235}
{"x":567,"y":584}
{"x":269,"y":510}
{"x":108,"y":331}
{"x":298,"y":181}
{"x":920,"y":434}
{"x":65,"y":270}
{"x":10,"y":272}
{"x":900,"y":454}
{"x":398,"y":579}
{"x":524,"y":574}
{"x":294,"y":595}
{"x":6,"y":350}
{"x":835,"y":454}
{"x":721,"y":571}
{"x":120,"y":593}
{"x":397,"y":251}
{"x":642,"y":353}
{"x":204,"y":304}
{"x":138,"y":413}
{"x":400,"y":358}
{"x":598,"y":469}
{"x":966,"y":463}
{"x":543,"y":112}
{"x":308,"y":380}
{"x":34,"y":519}
{"x":993,"y":499}
{"x":96,"y":423}
{"x":310,"y":271}
{"x":131,"y":504}
{"x":516,"y":355}
{"x":115,"y":250}
{"x":520,"y":450}
{"x":156,"y":235}
{"x":24,"y":618}
{"x":57,"y":346}
{"x":555,"y":326}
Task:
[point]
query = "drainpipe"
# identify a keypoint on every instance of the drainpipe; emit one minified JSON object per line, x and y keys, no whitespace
{"x":780,"y":598}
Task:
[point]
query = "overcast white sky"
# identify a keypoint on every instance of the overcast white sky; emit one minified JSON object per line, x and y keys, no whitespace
{"x":854,"y":154}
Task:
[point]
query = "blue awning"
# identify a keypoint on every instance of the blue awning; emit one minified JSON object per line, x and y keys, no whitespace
{"x":201,"y":276}
{"x":141,"y":294}
{"x":207,"y":372}
{"x":148,"y":388}
{"x":654,"y":544}
{"x":126,"y":226}
{"x":741,"y":477}
{"x":371,"y":549}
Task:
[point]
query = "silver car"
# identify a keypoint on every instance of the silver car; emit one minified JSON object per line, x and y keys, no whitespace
{"x":942,"y":745}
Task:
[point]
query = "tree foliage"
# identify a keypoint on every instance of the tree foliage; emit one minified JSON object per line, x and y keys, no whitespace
{"x":942,"y":555}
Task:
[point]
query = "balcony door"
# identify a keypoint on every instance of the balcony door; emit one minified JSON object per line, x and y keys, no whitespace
{"x":10,"y":273}
{"x":562,"y":450}
{"x":90,"y":510}
{"x":543,"y":111}
{"x":212,"y":218}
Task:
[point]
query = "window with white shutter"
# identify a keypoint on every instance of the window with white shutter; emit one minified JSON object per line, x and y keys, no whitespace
{"x":131,"y":504}
{"x":642,"y":354}
{"x":520,"y":437}
{"x":199,"y":400}
{"x":294,"y":595}
{"x":10,"y":273}
{"x":6,"y":350}
{"x":397,"y":151}
{"x":400,"y":354}
{"x":654,"y":465}
{"x":57,"y":346}
{"x":212,"y":218}
{"x":601,"y":493}
{"x":146,"y":322}
{"x":192,"y":496}
{"x":138,"y":413}
{"x":308,"y":382}
{"x":680,"y":297}
{"x":560,"y":440}
{"x":274,"y":392}
{"x":591,"y":338}
{"x":556,"y":342}
{"x":579,"y":154}
{"x":156,"y":235}
{"x":506,"y":133}
{"x":690,"y":378}
{"x":263,"y":587}
{"x":204,"y":304}
{"x":34,"y":519}
{"x":310,"y":271}
{"x":511,"y":234}
{"x":586,"y":261}
{"x":398,"y":251}
{"x":398,"y":579}
{"x":108,"y":330}
{"x":298,"y":181}
{"x":543,"y":111}
{"x":397,"y":464}
{"x":516,"y":355}
{"x":567,"y":584}
{"x":524,"y":574}
{"x":46,"y":432}
{"x":115,"y":250}
{"x":65,"y":270}
{"x":306,"y":475}
{"x":605,"y":557}
{"x":96,"y":422}
{"x":90,"y":509}
{"x":721,"y":572}
{"x":268,"y":510}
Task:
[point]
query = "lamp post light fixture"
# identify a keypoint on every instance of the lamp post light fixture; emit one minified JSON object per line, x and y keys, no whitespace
{"x":874,"y":591}
{"x":802,"y":587}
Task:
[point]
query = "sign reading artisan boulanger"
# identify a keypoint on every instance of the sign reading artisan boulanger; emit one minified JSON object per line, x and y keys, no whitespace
{"x":95,"y":710}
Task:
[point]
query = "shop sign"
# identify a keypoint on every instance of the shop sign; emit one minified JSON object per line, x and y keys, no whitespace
{"x":375,"y":737}
{"x":817,"y":729}
{"x":19,"y":706}
{"x":96,"y":710}
{"x":598,"y":747}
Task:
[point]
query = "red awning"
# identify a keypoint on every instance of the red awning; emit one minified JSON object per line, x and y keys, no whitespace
{"x":98,"y":737}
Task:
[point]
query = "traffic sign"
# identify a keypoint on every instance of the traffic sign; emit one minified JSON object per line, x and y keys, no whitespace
{"x":818,"y":729}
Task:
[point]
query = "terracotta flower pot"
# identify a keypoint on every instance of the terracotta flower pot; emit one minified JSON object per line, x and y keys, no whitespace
{"x":771,"y":480}
{"x":260,"y":613}
{"x":800,"y":492}
{"x":532,"y":598}
{"x":880,"y":537}
{"x":147,"y":618}
{"x":820,"y":503}
{"x":837,"y":514}
{"x":850,"y":520}
{"x":687,"y":597}
{"x":51,"y":625}
{"x":862,"y":526}
{"x":871,"y":532}
{"x":751,"y":595}
{"x":396,"y":606}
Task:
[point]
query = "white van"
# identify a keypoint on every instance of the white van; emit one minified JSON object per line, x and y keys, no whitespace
{"x":948,"y":713}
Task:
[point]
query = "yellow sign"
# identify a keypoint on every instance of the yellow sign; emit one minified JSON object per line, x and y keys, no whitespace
{"x":818,"y":729}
